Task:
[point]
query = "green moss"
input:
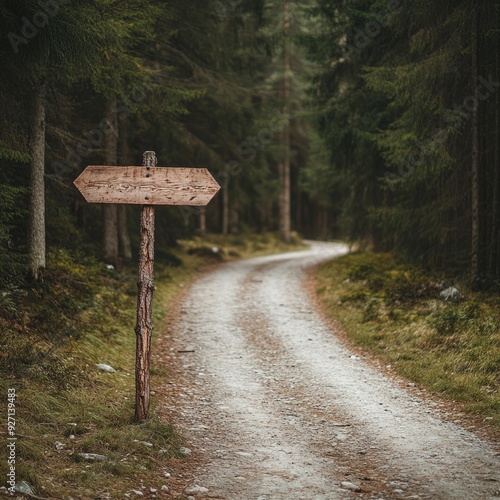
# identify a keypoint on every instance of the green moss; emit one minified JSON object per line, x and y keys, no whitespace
{"x":54,"y":333}
{"x":394,"y":311}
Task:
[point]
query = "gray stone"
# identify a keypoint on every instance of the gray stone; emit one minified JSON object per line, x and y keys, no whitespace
{"x":105,"y":368}
{"x":450,"y":295}
{"x":350,"y":486}
{"x":92,"y":457}
{"x":23,"y":487}
{"x":185,"y":451}
{"x":195,"y":490}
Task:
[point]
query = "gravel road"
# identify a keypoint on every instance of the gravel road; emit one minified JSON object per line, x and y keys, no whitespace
{"x":273,"y":406}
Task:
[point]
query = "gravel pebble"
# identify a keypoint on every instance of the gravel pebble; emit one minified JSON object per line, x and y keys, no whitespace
{"x":350,"y":486}
{"x":195,"y":490}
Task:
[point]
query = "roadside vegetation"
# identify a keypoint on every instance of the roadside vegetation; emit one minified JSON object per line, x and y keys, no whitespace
{"x":53,"y":332}
{"x":395,"y":311}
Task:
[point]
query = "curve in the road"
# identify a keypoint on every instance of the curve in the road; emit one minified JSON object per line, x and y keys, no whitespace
{"x":282,"y":410}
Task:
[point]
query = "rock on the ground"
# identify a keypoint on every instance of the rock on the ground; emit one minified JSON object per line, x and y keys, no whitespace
{"x":145,"y":443}
{"x":350,"y":486}
{"x":450,"y":295}
{"x":195,"y":490}
{"x":185,"y":451}
{"x":105,"y":368}
{"x":23,"y":487}
{"x":93,"y":457}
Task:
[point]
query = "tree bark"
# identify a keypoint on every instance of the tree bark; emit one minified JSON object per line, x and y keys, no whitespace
{"x":234,"y":219}
{"x":285,"y":213}
{"x":110,"y":252}
{"x":125,"y":246}
{"x":225,"y":210}
{"x":203,"y":221}
{"x":495,"y":230}
{"x":281,"y":200}
{"x":476,"y":221}
{"x":145,"y":285}
{"x":37,"y":182}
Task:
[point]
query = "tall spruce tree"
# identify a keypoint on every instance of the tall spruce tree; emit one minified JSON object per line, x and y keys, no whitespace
{"x":44,"y":43}
{"x":348,"y":114}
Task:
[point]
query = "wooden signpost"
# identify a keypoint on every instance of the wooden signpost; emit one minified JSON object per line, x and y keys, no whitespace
{"x":148,"y":185}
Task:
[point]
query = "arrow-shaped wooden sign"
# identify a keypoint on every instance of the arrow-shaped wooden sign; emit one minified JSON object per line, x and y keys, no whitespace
{"x":147,"y":186}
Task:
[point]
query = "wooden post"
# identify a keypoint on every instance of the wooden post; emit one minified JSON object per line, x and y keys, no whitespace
{"x":145,"y":285}
{"x":148,"y":186}
{"x":203,"y":221}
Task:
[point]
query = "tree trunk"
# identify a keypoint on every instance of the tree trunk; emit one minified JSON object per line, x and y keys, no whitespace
{"x":125,"y":246}
{"x":37,"y":182}
{"x":225,"y":210}
{"x":495,"y":229}
{"x":203,"y":221}
{"x":110,"y":238}
{"x":285,"y":213}
{"x":234,"y":219}
{"x":281,"y":201}
{"x":475,"y":225}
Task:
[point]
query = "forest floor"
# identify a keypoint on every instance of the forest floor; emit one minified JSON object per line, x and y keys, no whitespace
{"x":73,"y":426}
{"x":273,"y":404}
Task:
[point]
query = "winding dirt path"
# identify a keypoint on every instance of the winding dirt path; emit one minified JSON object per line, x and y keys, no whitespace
{"x":273,"y":406}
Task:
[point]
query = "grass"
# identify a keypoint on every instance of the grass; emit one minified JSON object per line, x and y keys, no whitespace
{"x":52,"y":335}
{"x":394,"y":311}
{"x":221,"y":247}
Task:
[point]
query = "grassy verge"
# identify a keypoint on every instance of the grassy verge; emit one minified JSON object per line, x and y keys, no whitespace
{"x":53,"y":334}
{"x":395,"y":312}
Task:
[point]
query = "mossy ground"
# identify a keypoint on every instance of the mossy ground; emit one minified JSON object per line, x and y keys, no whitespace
{"x":394,"y":311}
{"x":52,"y":335}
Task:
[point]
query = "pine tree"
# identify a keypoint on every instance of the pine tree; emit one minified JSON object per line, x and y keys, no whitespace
{"x":45,"y":43}
{"x":348,"y":114}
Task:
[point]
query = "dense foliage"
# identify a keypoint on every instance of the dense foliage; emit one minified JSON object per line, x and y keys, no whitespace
{"x":99,"y":83}
{"x":372,"y":121}
{"x":409,"y":101}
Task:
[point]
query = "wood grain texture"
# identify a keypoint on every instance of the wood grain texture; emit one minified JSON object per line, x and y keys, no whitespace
{"x":144,"y":326}
{"x":154,"y":186}
{"x":145,"y":286}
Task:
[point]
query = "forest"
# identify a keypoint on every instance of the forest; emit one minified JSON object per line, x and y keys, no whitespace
{"x":375,"y":122}
{"x":369,"y":126}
